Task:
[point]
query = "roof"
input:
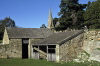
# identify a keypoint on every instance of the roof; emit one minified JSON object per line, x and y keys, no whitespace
{"x":59,"y":38}
{"x":28,"y":32}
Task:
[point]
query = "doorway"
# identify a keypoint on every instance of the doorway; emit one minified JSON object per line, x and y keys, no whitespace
{"x":25,"y":43}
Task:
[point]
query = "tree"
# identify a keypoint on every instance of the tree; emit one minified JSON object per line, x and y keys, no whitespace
{"x":7,"y":22}
{"x":92,"y":15}
{"x":55,"y":20}
{"x":71,"y":14}
{"x":43,"y":26}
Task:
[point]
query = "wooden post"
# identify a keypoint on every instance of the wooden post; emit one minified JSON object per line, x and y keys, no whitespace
{"x":32,"y":51}
{"x":57,"y":53}
{"x":47,"y":52}
{"x":29,"y":49}
{"x":38,"y":53}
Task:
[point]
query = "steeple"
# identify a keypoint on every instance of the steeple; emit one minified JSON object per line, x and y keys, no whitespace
{"x":50,"y":20}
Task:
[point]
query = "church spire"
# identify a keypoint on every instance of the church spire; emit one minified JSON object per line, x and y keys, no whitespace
{"x":50,"y":20}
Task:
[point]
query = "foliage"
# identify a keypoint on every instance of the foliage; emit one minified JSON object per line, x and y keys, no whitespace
{"x":43,"y":26}
{"x":92,"y":15}
{"x":7,"y":22}
{"x":86,"y":53}
{"x":0,"y":41}
{"x":98,"y":48}
{"x":55,"y":20}
{"x":31,"y":62}
{"x":71,"y":14}
{"x":83,"y":56}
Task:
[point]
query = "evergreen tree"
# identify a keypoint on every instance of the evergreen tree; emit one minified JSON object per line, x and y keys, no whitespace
{"x":7,"y":22}
{"x":43,"y":26}
{"x":92,"y":15}
{"x":71,"y":14}
{"x":55,"y":20}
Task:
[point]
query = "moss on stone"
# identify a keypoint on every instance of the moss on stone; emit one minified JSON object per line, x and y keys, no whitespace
{"x":0,"y":41}
{"x":98,"y":48}
{"x":86,"y":53}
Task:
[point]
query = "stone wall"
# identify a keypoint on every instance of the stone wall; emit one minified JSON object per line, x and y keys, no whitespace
{"x":12,"y":50}
{"x":3,"y":50}
{"x":70,"y":49}
{"x":16,"y":47}
{"x":34,"y":40}
{"x":92,"y":44}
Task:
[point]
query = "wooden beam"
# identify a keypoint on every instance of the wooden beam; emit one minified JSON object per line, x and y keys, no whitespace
{"x":40,"y":51}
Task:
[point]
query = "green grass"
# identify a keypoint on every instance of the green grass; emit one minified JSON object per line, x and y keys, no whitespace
{"x":0,"y":41}
{"x":94,"y":29}
{"x":31,"y":62}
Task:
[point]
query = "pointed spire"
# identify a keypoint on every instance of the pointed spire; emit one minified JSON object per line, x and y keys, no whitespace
{"x":50,"y":13}
{"x":50,"y":20}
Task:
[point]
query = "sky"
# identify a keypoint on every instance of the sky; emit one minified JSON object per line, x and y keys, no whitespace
{"x":30,"y":13}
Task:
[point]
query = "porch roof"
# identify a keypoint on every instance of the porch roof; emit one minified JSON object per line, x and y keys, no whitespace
{"x":58,"y":38}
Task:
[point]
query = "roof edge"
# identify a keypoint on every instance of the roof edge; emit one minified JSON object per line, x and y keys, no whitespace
{"x":71,"y":37}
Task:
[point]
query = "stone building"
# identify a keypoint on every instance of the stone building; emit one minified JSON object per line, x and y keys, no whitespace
{"x":61,"y":46}
{"x":45,"y":43}
{"x":41,"y":43}
{"x":20,"y":39}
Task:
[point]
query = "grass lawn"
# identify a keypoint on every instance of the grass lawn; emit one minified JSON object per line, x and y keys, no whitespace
{"x":31,"y":62}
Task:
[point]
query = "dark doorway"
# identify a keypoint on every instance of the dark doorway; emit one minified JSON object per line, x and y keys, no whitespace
{"x":43,"y":48}
{"x":25,"y":48}
{"x":51,"y":48}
